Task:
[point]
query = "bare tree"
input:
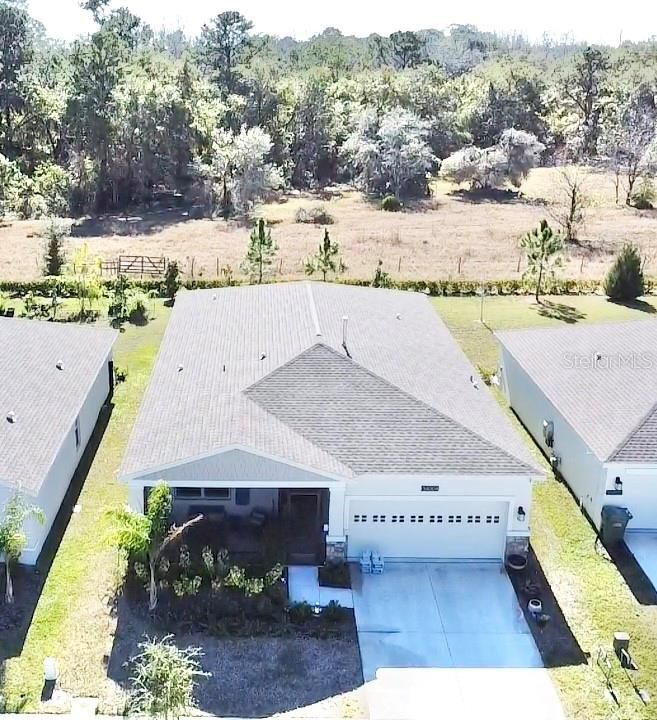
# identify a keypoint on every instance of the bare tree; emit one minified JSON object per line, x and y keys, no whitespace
{"x":627,"y":142}
{"x":570,"y":202}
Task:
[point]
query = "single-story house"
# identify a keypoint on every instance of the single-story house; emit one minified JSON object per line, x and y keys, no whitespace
{"x":588,"y":396}
{"x":350,"y":412}
{"x":54,"y":380}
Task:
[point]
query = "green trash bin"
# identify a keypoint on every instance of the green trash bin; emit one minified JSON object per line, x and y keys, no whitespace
{"x":614,"y":522}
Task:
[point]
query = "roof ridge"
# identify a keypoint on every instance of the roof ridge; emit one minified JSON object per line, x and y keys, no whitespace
{"x":313,"y":308}
{"x":392,"y":385}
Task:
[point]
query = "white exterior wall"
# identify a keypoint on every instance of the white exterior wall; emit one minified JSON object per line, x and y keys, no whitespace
{"x":639,"y":493}
{"x":580,"y":468}
{"x":514,"y":491}
{"x":65,"y":464}
{"x":240,"y":468}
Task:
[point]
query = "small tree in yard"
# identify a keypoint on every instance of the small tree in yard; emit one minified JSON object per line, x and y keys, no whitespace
{"x":261,"y":253}
{"x":326,"y":259}
{"x":172,"y":281}
{"x":381,"y":277}
{"x":625,"y":279}
{"x":147,"y":536}
{"x":542,"y":247}
{"x":568,"y":212}
{"x":13,"y":539}
{"x":54,"y":256}
{"x":164,"y":679}
{"x":86,"y":279}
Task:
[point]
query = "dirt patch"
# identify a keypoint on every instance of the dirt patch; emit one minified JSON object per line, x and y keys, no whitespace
{"x":254,"y":677}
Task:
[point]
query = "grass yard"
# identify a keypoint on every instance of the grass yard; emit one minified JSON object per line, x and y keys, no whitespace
{"x":73,"y":620}
{"x":449,"y":236}
{"x":593,"y":595}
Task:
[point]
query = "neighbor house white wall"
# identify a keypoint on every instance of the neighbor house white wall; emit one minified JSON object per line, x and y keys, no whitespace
{"x":61,"y":471}
{"x":639,"y":493}
{"x":580,"y":468}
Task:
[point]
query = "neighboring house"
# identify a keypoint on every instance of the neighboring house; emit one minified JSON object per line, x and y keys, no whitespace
{"x":54,"y":380}
{"x":588,"y":395}
{"x":351,"y":412}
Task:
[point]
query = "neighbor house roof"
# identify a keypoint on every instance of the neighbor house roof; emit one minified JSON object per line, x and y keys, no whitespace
{"x":43,"y":400}
{"x":264,"y":367}
{"x":602,"y":378}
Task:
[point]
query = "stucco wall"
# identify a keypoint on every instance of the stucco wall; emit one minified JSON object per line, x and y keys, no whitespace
{"x":64,"y":465}
{"x":639,"y":493}
{"x":580,"y":468}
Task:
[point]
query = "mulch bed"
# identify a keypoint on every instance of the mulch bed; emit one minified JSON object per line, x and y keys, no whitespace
{"x":15,"y":619}
{"x":554,"y":639}
{"x":251,"y":676}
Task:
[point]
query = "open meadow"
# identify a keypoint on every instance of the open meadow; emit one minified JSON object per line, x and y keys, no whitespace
{"x":452,"y":235}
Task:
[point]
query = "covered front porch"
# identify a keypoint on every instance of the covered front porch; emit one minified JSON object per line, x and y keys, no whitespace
{"x":287,"y":525}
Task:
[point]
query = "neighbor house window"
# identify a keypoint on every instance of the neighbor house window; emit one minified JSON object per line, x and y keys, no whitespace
{"x":187,"y":492}
{"x":78,"y":436}
{"x":217,"y":493}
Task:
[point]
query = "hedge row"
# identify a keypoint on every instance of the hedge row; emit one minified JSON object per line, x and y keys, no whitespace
{"x":65,"y":287}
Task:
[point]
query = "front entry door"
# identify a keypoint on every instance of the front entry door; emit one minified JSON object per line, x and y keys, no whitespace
{"x":302,"y":513}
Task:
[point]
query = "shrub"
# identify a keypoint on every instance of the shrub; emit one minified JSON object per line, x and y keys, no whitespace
{"x":315,"y":215}
{"x":54,"y":256}
{"x":335,"y":575}
{"x":137,"y":305}
{"x":644,"y":197}
{"x":53,"y":185}
{"x":172,"y":280}
{"x":625,"y":279}
{"x":391,"y":203}
{"x":120,"y":374}
{"x":300,"y":612}
{"x":333,"y":612}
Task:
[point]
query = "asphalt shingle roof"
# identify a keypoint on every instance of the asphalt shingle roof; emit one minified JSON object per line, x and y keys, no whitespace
{"x":44,"y":399}
{"x":602,"y":378}
{"x":264,"y":367}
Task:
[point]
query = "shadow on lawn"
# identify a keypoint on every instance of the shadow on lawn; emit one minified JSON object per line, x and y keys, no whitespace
{"x":146,"y":222}
{"x":555,"y":640}
{"x":633,"y":574}
{"x":15,"y":619}
{"x":559,"y":311}
{"x":640,"y":305}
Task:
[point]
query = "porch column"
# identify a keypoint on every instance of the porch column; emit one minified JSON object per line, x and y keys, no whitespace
{"x":336,"y":548}
{"x":136,"y":497}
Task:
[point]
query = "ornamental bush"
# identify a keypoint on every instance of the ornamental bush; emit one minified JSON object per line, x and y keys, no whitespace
{"x":625,"y":280}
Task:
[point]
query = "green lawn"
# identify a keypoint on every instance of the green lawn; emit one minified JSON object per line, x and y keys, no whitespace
{"x":72,"y":621}
{"x":593,"y":595}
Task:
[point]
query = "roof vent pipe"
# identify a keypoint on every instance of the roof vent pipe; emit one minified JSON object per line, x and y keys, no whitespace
{"x":345,"y":320}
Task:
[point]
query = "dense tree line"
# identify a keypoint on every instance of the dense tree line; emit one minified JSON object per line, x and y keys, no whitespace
{"x":128,"y":115}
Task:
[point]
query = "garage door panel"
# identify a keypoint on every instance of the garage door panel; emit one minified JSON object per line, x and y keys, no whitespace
{"x":426,"y":529}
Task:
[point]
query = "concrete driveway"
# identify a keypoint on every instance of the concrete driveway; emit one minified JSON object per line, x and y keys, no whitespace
{"x":440,"y":638}
{"x":643,"y":545}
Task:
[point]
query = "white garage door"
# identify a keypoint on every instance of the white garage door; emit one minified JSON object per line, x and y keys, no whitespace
{"x":426,"y":528}
{"x":640,"y":496}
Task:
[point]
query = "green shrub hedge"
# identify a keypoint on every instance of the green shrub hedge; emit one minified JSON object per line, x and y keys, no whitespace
{"x":64,"y":287}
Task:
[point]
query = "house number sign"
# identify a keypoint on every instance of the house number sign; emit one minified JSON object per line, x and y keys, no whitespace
{"x":430,"y":488}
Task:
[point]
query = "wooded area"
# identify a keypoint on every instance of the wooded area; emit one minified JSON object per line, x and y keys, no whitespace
{"x":129,"y":116}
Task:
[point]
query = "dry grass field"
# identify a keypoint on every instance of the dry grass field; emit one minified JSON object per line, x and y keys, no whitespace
{"x":449,"y":236}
